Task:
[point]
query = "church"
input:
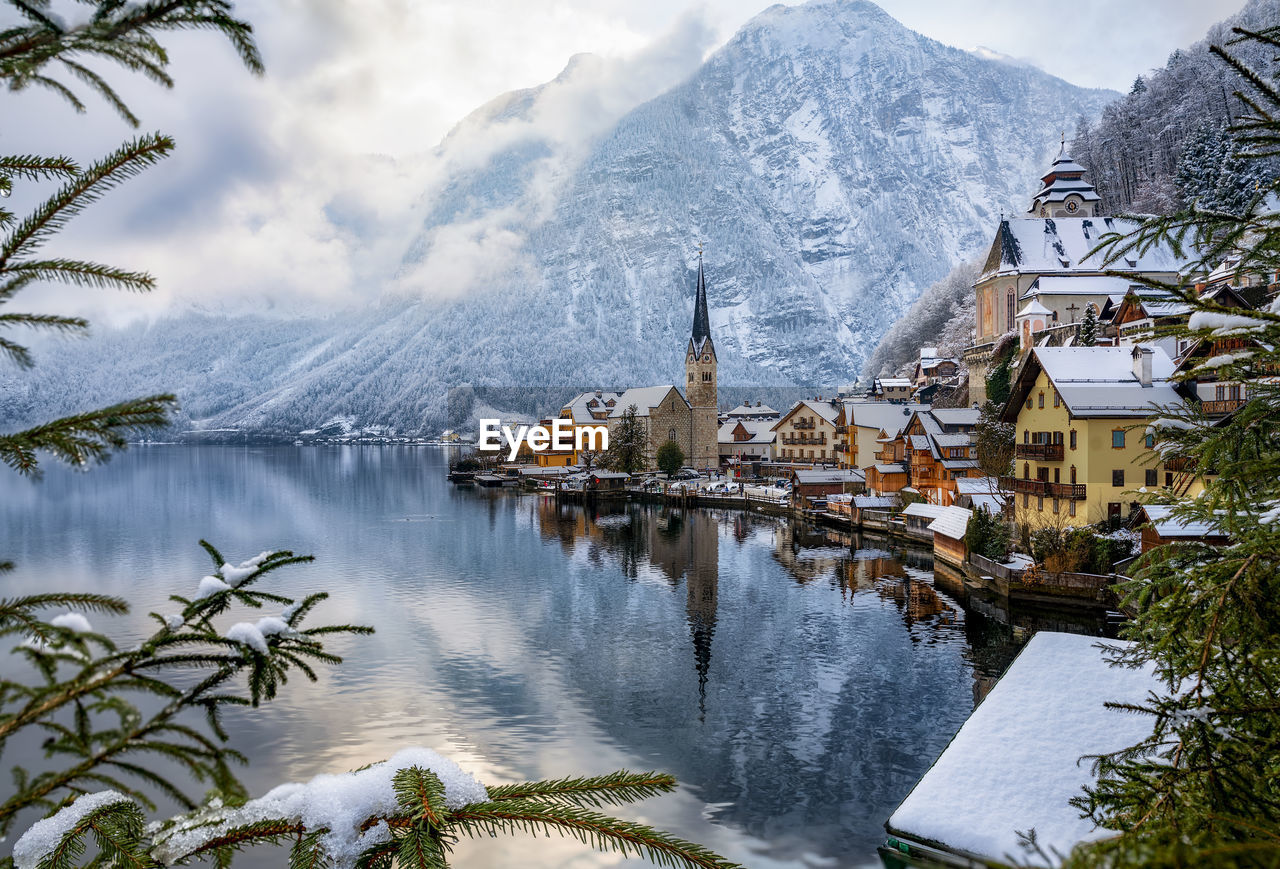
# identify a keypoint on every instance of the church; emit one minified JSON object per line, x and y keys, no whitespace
{"x":1039,"y":273}
{"x":690,"y":419}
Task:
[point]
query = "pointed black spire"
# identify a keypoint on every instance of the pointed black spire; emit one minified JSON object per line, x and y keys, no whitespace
{"x":701,"y":322}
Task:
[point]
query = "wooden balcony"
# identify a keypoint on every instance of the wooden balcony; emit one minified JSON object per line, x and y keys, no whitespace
{"x":1221,"y":408}
{"x":1067,"y":491}
{"x":1041,"y":452}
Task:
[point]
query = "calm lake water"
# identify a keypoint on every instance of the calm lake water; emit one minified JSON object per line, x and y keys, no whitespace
{"x":796,"y":682}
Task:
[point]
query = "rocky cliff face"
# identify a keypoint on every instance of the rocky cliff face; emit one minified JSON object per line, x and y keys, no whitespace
{"x":833,"y":162}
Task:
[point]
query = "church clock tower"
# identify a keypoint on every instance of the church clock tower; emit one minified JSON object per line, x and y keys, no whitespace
{"x":700,"y":383}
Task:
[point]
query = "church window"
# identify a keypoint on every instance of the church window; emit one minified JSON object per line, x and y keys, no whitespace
{"x":706,"y":357}
{"x":691,"y":377}
{"x":671,"y":435}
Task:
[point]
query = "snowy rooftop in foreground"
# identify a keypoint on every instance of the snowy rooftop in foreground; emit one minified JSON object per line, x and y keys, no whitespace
{"x":1016,"y":762}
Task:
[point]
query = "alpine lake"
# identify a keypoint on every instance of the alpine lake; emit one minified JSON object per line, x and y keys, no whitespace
{"x":796,"y":680}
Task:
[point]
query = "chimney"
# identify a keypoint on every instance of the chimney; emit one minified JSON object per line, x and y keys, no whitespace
{"x":1142,"y":364}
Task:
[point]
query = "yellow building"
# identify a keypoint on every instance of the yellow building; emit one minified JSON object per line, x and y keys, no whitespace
{"x":1082,"y":452}
{"x":807,"y":433}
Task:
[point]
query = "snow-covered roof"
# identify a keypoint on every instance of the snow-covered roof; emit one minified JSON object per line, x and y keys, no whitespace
{"x":925,"y":511}
{"x":761,"y":431}
{"x":956,"y":416}
{"x":877,"y":415}
{"x":959,"y":464}
{"x":1165,"y":525}
{"x":1062,"y":245}
{"x":580,"y":407}
{"x":892,"y":382}
{"x":1103,"y":286}
{"x":825,"y":476}
{"x":610,"y":475}
{"x":1046,"y":713}
{"x":1033,"y":308}
{"x":643,"y":397}
{"x":1100,"y":382}
{"x":891,"y":469}
{"x":977,"y":485}
{"x":829,"y":412}
{"x":953,"y":522}
{"x":919,"y":442}
{"x":874,"y":502}
{"x":953,"y":440}
{"x":991,"y":504}
{"x":753,"y":410}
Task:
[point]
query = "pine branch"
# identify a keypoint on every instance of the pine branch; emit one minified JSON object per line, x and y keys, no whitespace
{"x":599,"y":831}
{"x":87,"y":437}
{"x":616,"y":788}
{"x":87,"y":187}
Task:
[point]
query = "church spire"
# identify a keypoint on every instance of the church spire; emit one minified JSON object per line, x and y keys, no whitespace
{"x":701,"y":322}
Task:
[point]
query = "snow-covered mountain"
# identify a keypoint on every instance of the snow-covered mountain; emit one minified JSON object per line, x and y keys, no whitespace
{"x":833,"y":162}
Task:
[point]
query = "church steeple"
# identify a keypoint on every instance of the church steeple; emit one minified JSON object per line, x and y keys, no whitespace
{"x":701,"y":322}
{"x":1063,"y":191}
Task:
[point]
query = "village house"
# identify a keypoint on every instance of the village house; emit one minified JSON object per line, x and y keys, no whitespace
{"x":747,"y":410}
{"x":807,"y":432}
{"x":939,"y":447}
{"x":892,"y":389}
{"x":949,"y":531}
{"x":865,"y":423}
{"x":744,"y":440}
{"x":1081,"y":452}
{"x":930,"y":367}
{"x":588,"y":409}
{"x":890,"y":474}
{"x":1053,"y":241}
{"x":817,"y":484}
{"x":1159,"y":527}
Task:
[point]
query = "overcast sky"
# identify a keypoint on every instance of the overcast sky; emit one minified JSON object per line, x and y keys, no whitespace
{"x":272,"y":198}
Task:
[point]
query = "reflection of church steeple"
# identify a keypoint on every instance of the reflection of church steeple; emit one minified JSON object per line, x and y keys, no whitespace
{"x":702,"y":582}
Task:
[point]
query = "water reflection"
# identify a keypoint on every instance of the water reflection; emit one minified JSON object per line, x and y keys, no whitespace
{"x":796,"y":680}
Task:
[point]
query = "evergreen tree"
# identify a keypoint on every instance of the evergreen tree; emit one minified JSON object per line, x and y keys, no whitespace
{"x":627,"y":443}
{"x":1139,"y":86}
{"x":670,"y":458}
{"x":1202,"y":789}
{"x":1088,"y":336}
{"x":994,"y":441}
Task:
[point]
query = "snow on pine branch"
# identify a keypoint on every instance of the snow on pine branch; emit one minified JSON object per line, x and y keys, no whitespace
{"x":339,"y":804}
{"x":44,"y":836}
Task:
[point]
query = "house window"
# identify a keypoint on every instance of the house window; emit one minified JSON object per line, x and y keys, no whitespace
{"x":1026,"y":436}
{"x":1117,"y":439}
{"x":1057,"y":473}
{"x":1040,"y":503}
{"x":1153,"y":477}
{"x":1042,"y":401}
{"x":1057,"y":400}
{"x":1073,"y":439}
{"x":1073,"y":475}
{"x":1026,"y":499}
{"x":1150,"y":441}
{"x":1071,"y":508}
{"x":1028,"y":402}
{"x":1055,"y":505}
{"x":1168,"y":480}
{"x":1026,"y":471}
{"x":1117,"y":478}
